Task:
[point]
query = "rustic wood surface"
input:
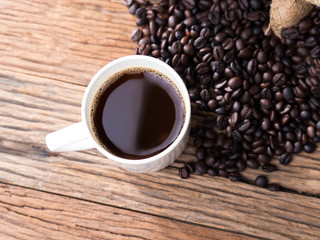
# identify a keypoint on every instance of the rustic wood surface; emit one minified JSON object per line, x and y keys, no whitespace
{"x":49,"y":50}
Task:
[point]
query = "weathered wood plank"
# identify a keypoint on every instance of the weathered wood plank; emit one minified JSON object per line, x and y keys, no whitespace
{"x":65,"y":40}
{"x":30,"y":214}
{"x":213,"y":202}
{"x":40,"y":108}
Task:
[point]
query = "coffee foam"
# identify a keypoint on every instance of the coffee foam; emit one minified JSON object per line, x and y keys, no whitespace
{"x":113,"y":78}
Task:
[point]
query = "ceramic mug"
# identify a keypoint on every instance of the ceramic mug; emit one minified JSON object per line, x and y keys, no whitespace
{"x":79,"y":136}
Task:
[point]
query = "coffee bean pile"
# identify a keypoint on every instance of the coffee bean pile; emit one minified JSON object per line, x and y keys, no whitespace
{"x":262,"y":94}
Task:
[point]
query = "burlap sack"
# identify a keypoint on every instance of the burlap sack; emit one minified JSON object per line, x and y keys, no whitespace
{"x":288,"y":13}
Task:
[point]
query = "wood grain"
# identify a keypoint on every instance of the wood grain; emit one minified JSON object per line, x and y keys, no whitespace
{"x":48,"y":52}
{"x":213,"y":202}
{"x":30,"y":214}
{"x":65,"y":40}
{"x":55,"y":105}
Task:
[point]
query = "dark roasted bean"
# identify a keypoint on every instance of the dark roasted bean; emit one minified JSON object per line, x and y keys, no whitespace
{"x":201,"y":153}
{"x":212,"y":172}
{"x":234,"y":176}
{"x":273,"y":187}
{"x":309,"y":147}
{"x":183,"y":173}
{"x":251,"y":163}
{"x":261,"y":181}
{"x":285,"y":158}
{"x":265,"y":92}
{"x":297,"y":147}
{"x":264,"y":158}
{"x":190,"y":167}
{"x":269,"y":167}
{"x":200,"y":168}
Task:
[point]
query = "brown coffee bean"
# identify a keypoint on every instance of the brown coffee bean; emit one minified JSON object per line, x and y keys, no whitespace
{"x":251,"y":163}
{"x":234,"y":176}
{"x":266,"y":103}
{"x":311,"y":131}
{"x":261,"y":181}
{"x":264,"y":91}
{"x":234,"y":82}
{"x":285,"y":159}
{"x":273,"y":187}
{"x":200,"y":168}
{"x":269,"y":167}
{"x":183,"y":173}
{"x":264,"y":158}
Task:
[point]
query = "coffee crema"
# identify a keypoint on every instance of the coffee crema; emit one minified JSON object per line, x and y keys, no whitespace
{"x":137,"y":113}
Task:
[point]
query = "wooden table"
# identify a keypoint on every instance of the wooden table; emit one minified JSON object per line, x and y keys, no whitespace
{"x":49,"y":50}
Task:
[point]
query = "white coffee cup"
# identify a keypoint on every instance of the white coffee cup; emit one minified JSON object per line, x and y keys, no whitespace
{"x":79,"y":136}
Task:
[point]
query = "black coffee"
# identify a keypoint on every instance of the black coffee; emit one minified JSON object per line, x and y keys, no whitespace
{"x":137,"y":113}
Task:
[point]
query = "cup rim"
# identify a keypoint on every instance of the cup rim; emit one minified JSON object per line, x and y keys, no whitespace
{"x":174,"y":76}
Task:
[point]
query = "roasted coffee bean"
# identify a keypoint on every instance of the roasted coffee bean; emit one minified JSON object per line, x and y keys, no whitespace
{"x":264,"y":158}
{"x":228,"y":44}
{"x":136,"y":35}
{"x":183,"y":173}
{"x":262,"y":57}
{"x":269,"y":167}
{"x":210,"y":160}
{"x":261,"y":181}
{"x":208,"y":143}
{"x":251,"y":163}
{"x":289,"y":147}
{"x":288,"y":94}
{"x":244,"y":126}
{"x":234,"y":82}
{"x":265,"y":124}
{"x":311,"y":131}
{"x":290,"y":33}
{"x":210,"y":134}
{"x":234,"y":176}
{"x":209,"y":122}
{"x":285,"y":158}
{"x":236,"y":135}
{"x":190,"y":167}
{"x":305,"y":25}
{"x":200,"y":42}
{"x":265,"y":92}
{"x":279,"y":79}
{"x":212,"y":172}
{"x":218,"y":53}
{"x":189,"y":49}
{"x":266,"y":103}
{"x":241,"y":165}
{"x":309,"y":147}
{"x":273,"y":187}
{"x":222,"y":122}
{"x":222,"y":173}
{"x":252,"y":66}
{"x":305,"y":114}
{"x":201,"y":153}
{"x":297,"y":147}
{"x":256,"y":4}
{"x":200,"y":168}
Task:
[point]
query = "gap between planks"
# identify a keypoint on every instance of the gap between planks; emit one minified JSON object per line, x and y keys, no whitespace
{"x":128,"y":224}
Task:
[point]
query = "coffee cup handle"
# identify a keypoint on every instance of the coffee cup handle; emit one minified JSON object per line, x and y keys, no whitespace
{"x":72,"y":138}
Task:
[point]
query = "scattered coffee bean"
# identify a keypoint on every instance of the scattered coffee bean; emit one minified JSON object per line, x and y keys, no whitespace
{"x":309,"y":147}
{"x":264,"y":92}
{"x":285,"y":159}
{"x":273,"y":187}
{"x":200,"y":168}
{"x":234,"y":176}
{"x":183,"y":173}
{"x":269,"y":167}
{"x":261,"y":181}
